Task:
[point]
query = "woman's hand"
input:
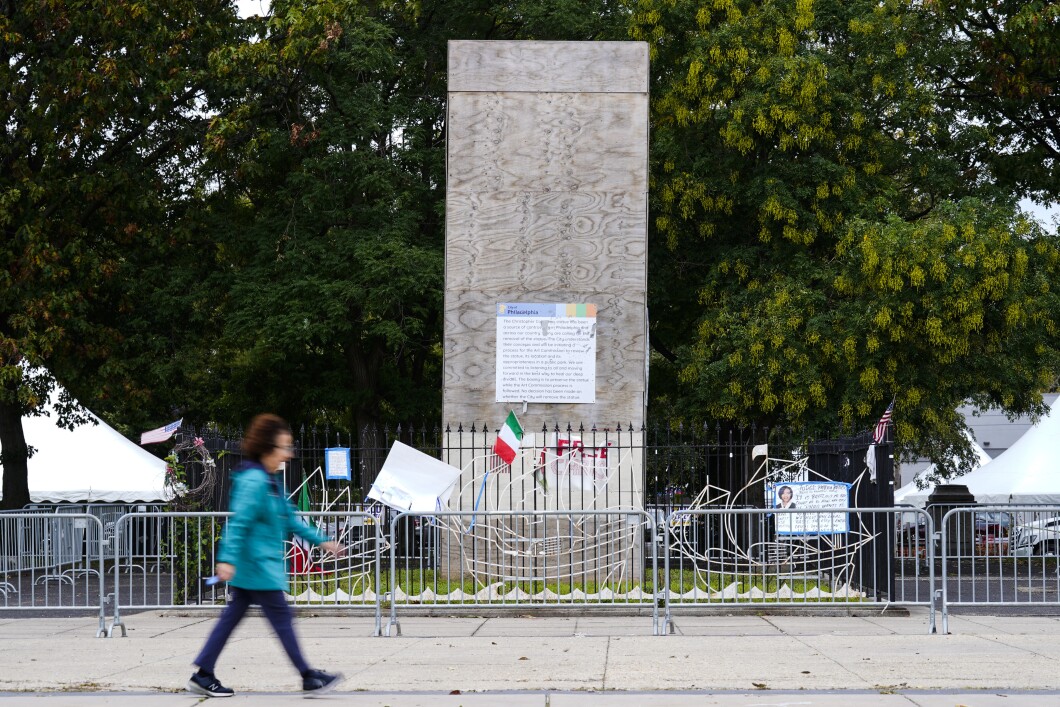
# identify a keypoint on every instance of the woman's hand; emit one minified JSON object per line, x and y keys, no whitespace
{"x":224,"y":571}
{"x":334,"y":548}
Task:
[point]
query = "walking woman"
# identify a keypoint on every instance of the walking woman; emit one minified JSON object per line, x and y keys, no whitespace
{"x":251,"y":556}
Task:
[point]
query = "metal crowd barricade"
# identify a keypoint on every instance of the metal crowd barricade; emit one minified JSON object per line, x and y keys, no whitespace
{"x":163,"y":561}
{"x":49,"y":563}
{"x":810,"y":558}
{"x":1003,"y":555}
{"x":523,"y":559}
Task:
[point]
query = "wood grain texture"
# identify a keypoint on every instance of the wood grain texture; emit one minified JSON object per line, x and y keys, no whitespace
{"x":580,"y":67}
{"x":547,"y":142}
{"x":547,"y":178}
{"x":470,"y":359}
{"x":525,"y":241}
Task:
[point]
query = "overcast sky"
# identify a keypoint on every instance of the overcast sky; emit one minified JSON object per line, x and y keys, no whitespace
{"x":252,"y":7}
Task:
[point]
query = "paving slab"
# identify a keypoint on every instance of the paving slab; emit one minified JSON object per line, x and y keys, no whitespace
{"x":711,"y":658}
{"x":758,"y":698}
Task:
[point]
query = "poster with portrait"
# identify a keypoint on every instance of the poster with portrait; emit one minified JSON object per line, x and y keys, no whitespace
{"x":807,"y":499}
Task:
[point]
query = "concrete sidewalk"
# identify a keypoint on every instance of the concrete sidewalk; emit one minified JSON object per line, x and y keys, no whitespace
{"x":551,"y":662}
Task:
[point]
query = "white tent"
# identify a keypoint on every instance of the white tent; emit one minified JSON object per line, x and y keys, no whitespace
{"x":91,"y":463}
{"x":1027,"y":472}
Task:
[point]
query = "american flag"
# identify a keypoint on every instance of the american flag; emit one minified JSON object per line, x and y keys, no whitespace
{"x":881,"y":426}
{"x":161,"y":434}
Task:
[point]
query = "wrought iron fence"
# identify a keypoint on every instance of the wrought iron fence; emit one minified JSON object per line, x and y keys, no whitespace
{"x":676,"y":461}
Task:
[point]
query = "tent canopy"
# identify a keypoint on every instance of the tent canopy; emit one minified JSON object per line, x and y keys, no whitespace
{"x":1028,"y":472}
{"x":91,"y":463}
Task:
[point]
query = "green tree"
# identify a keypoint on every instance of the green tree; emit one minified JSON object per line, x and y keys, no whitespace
{"x":102,"y":106}
{"x":331,"y":200}
{"x":819,"y":243}
{"x":999,"y":63}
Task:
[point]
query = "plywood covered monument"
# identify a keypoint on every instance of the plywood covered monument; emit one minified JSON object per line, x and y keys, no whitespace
{"x":546,"y":293}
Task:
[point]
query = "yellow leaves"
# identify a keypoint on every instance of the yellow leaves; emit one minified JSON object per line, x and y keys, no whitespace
{"x":1019,"y":263}
{"x":694,"y":69}
{"x":869,"y":378}
{"x":917,"y":276}
{"x":1014,"y":314}
{"x":933,"y":329}
{"x":785,"y":42}
{"x":794,"y":403}
{"x":939,"y":270}
{"x":817,"y":394}
{"x":735,"y":137}
{"x":850,"y":349}
{"x":803,"y":14}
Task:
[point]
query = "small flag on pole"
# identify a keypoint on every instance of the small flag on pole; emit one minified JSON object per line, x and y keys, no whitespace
{"x":509,"y":438}
{"x":881,"y":426}
{"x":161,"y":434}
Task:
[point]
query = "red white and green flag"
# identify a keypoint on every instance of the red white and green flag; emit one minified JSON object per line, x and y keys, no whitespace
{"x":509,"y":438}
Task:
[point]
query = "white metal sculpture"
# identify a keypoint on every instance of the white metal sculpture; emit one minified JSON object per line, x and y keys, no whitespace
{"x":319,"y":577}
{"x":751,"y":545}
{"x":555,"y":515}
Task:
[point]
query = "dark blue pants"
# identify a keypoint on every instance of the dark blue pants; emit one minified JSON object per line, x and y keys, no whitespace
{"x":274,"y":604}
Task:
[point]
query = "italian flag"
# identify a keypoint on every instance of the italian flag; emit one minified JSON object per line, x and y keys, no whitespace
{"x":507,"y":444}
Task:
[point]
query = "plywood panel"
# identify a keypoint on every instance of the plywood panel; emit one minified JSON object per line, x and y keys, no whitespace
{"x":547,"y":142}
{"x":530,"y":241}
{"x":546,"y":202}
{"x":470,"y":359}
{"x":580,"y":67}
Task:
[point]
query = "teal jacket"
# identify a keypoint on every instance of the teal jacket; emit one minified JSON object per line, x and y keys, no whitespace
{"x":262,"y":520}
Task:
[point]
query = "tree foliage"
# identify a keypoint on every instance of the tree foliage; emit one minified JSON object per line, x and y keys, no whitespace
{"x":331,"y":200}
{"x":205,"y":217}
{"x":819,"y":230}
{"x":101,"y":108}
{"x":999,"y":63}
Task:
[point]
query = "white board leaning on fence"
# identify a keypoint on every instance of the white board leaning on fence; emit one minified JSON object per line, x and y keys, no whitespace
{"x":413,"y":481}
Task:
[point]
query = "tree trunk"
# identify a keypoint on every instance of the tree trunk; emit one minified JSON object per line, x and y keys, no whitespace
{"x":15,"y":456}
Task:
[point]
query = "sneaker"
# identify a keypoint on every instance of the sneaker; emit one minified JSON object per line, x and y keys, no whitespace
{"x":317,"y":682}
{"x":209,"y":686}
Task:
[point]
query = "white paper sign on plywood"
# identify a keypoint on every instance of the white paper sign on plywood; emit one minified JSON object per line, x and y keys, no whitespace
{"x":546,"y":353}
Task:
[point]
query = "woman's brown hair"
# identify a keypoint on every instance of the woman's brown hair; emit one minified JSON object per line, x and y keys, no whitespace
{"x":260,"y":437}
